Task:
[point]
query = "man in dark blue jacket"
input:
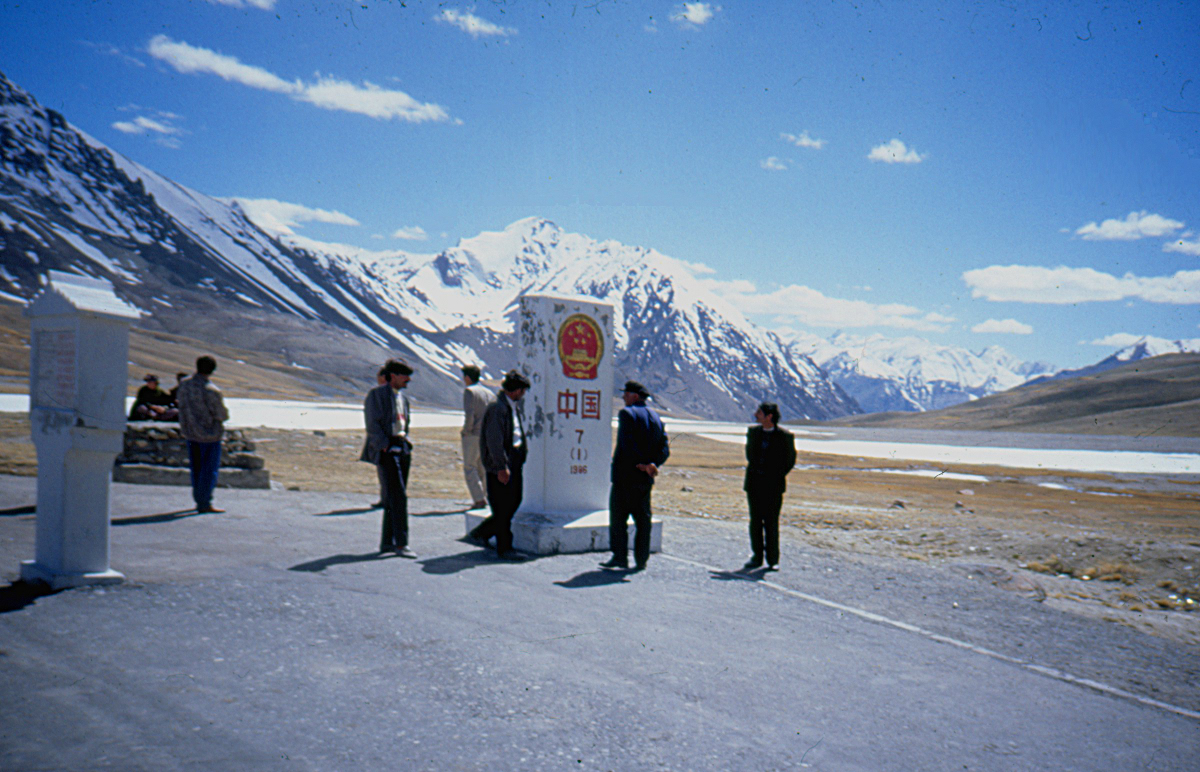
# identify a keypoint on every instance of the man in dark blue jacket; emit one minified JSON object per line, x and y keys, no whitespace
{"x":641,"y":449}
{"x":502,"y":449}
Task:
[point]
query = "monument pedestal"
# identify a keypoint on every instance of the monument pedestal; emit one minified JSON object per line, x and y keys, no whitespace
{"x":539,"y":534}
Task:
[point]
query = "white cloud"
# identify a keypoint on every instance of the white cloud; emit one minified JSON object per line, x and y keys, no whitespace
{"x":411,"y":233}
{"x":327,"y":92}
{"x":1116,"y":340}
{"x":471,"y":24}
{"x":161,"y":127}
{"x":109,"y":49}
{"x":1010,"y":326}
{"x":1136,"y":225}
{"x":937,"y":318}
{"x":808,"y":306}
{"x":281,"y":216}
{"x":803,"y":140}
{"x":895,"y":152}
{"x":1063,"y":285}
{"x":265,"y":5}
{"x":694,"y":14}
{"x":773,"y":164}
{"x":1183,"y":246}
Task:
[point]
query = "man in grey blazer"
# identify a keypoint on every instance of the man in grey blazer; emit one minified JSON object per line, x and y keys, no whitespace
{"x":502,"y":446}
{"x":476,"y":398}
{"x":386,"y":413}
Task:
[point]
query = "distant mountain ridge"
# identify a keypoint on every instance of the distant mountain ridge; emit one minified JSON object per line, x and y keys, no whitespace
{"x":198,"y":263}
{"x":910,"y":374}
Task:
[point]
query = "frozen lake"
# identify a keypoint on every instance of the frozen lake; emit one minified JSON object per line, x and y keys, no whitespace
{"x":1004,"y":449}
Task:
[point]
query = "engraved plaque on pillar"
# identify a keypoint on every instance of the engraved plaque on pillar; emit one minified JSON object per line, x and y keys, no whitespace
{"x":54,"y":369}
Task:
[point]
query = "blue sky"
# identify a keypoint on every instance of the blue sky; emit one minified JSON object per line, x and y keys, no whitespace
{"x":1023,"y":174}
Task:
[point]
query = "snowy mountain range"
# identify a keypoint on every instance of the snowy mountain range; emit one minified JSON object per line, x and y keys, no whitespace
{"x":199,"y":264}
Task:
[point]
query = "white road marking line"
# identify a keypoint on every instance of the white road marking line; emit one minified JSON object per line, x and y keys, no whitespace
{"x":870,"y":616}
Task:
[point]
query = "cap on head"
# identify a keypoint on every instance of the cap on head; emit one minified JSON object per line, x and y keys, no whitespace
{"x":514,"y":380}
{"x":633,"y":387}
{"x":471,"y":371}
{"x":397,"y":367}
{"x":150,"y":377}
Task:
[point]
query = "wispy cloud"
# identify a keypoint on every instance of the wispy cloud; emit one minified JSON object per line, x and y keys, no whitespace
{"x":799,"y":304}
{"x":281,"y":217}
{"x":773,"y":164}
{"x":694,"y":14}
{"x":1136,"y":225}
{"x":110,"y":50}
{"x":473,"y":25}
{"x":1007,"y":326}
{"x":161,"y":127}
{"x":1063,"y":285}
{"x":265,"y":5}
{"x":895,"y":152}
{"x":803,"y":140}
{"x":1125,"y":339}
{"x":411,"y":233}
{"x":1183,"y":246}
{"x":327,"y":92}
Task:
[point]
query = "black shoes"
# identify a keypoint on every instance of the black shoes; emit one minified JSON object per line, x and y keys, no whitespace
{"x":752,"y":564}
{"x":615,"y":563}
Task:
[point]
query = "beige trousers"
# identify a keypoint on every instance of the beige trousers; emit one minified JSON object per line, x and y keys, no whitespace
{"x":473,"y":469}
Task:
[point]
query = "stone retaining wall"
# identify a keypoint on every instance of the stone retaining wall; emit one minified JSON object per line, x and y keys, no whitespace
{"x":157,"y":454}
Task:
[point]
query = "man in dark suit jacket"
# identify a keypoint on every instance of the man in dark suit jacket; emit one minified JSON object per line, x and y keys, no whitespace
{"x":641,"y":449}
{"x":386,"y":413}
{"x":770,"y":455}
{"x":502,"y":449}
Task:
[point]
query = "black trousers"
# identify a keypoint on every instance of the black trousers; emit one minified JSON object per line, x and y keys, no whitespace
{"x":393,"y":473}
{"x":624,"y":502}
{"x":764,"y":523}
{"x":503,"y":499}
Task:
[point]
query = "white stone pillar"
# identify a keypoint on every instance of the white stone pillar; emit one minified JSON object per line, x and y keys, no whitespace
{"x":566,"y":349}
{"x":78,"y":374}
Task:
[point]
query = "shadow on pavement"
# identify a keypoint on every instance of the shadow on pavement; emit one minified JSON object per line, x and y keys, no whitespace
{"x":595,"y":578}
{"x":29,"y":509}
{"x":313,"y":566}
{"x":20,"y":594}
{"x":440,"y":513}
{"x":452,"y":564}
{"x":162,"y":517}
{"x":340,"y":512}
{"x":756,"y":575}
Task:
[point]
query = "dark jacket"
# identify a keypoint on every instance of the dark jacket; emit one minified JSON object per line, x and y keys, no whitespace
{"x":641,"y":439}
{"x":769,"y":456}
{"x":379,"y":413}
{"x":496,"y":448}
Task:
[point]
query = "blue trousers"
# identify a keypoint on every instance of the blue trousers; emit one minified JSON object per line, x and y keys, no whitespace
{"x":206,"y":463}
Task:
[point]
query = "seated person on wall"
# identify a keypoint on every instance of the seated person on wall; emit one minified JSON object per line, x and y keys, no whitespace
{"x":152,"y":403}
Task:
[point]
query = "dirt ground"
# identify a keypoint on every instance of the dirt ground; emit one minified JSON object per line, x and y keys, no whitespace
{"x":1123,"y":550}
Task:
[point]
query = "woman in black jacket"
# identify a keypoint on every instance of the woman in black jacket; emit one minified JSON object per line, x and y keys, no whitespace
{"x":770,"y":455}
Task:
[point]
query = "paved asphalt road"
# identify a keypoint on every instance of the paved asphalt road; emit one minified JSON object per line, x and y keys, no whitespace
{"x":272,"y":637}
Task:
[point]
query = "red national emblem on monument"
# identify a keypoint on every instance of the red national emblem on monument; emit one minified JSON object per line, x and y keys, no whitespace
{"x":580,"y":347}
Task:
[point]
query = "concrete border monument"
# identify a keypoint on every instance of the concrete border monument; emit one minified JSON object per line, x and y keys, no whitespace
{"x":78,"y":372}
{"x":566,"y":350}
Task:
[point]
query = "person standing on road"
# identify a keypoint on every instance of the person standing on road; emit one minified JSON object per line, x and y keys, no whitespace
{"x":202,"y":417}
{"x":770,"y":455}
{"x":502,"y":448}
{"x":476,"y":398}
{"x":641,"y":449}
{"x":386,"y":414}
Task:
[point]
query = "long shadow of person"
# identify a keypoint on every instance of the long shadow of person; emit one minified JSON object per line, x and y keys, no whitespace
{"x":741,"y":575}
{"x":28,"y":509}
{"x":161,"y":517}
{"x":315,"y":566}
{"x":340,"y":512}
{"x":594,"y":578}
{"x":463,"y":561}
{"x":20,"y":594}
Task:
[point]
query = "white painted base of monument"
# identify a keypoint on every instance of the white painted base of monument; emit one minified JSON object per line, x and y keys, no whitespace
{"x":559,"y":534}
{"x":32,"y":571}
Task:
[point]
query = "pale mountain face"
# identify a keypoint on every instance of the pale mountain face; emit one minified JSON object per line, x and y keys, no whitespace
{"x":199,"y":265}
